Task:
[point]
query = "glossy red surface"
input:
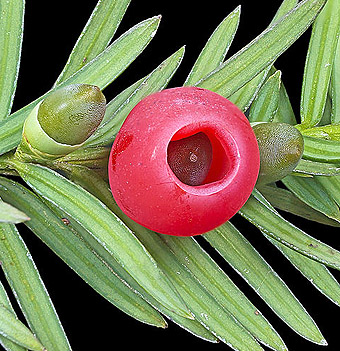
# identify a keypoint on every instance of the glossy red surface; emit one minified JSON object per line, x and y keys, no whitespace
{"x":144,"y":185}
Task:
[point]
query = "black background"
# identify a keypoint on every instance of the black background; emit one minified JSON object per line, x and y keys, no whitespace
{"x":51,"y":29}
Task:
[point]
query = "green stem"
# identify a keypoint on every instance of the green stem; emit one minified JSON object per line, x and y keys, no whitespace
{"x":6,"y":168}
{"x":95,"y":159}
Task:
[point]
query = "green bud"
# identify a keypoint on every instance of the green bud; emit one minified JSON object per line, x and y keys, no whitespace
{"x":71,"y":114}
{"x":281,"y":148}
{"x":62,"y":122}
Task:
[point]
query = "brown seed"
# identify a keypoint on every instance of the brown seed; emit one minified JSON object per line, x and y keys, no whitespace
{"x":65,"y":221}
{"x":190,"y":158}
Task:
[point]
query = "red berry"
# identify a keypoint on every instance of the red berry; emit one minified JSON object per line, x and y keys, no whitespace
{"x":184,"y":162}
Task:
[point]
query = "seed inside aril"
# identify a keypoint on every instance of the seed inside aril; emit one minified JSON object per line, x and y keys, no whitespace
{"x":190,"y":158}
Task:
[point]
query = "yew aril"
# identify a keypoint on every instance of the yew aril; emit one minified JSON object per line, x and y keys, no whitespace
{"x":184,"y":162}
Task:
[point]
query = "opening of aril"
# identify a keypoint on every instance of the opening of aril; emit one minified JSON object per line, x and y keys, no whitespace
{"x":198,"y":159}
